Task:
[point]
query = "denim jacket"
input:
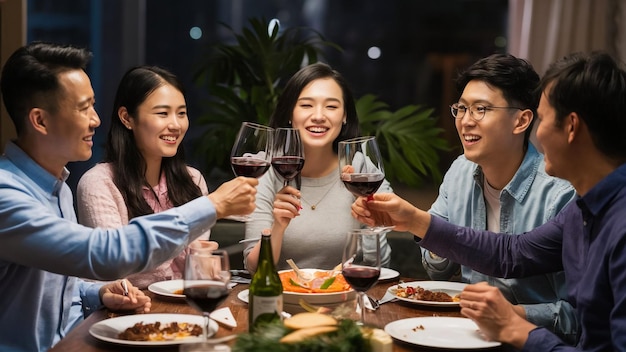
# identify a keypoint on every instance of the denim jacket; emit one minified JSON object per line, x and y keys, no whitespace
{"x":530,"y":199}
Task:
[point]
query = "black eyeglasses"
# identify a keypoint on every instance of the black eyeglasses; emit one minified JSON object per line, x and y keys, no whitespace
{"x":477,"y":111}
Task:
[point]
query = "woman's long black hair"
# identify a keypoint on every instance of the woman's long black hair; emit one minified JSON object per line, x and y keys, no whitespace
{"x":129,"y":166}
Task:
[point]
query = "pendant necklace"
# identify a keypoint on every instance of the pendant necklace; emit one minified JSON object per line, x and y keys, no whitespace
{"x":314,"y":206}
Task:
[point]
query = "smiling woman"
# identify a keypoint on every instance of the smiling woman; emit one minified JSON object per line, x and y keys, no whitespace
{"x":144,"y":161}
{"x":318,"y":102}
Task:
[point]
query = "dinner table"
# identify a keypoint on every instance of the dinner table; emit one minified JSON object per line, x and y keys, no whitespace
{"x":80,"y":340}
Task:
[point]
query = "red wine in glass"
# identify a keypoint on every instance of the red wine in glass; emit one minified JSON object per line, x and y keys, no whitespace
{"x":251,"y":154}
{"x":288,"y":166}
{"x":362,"y":185}
{"x":360,"y":264}
{"x":206,"y":283}
{"x":287,"y":153}
{"x":361,"y":165}
{"x":361,"y":278}
{"x":249,"y":167}
{"x":207,"y":296}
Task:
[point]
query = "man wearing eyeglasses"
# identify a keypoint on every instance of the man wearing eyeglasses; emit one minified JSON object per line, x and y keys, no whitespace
{"x":582,"y":115}
{"x":499,"y":184}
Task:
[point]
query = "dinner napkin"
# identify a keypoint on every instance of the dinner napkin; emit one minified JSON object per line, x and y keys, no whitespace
{"x":224,"y":316}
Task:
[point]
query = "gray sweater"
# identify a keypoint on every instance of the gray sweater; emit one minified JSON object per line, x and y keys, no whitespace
{"x":315,"y":239}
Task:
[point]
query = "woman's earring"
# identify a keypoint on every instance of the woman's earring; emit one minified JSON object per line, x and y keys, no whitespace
{"x":344,"y":122}
{"x":290,"y":122}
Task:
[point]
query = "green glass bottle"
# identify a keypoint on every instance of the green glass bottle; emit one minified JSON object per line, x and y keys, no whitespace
{"x":265,"y":300}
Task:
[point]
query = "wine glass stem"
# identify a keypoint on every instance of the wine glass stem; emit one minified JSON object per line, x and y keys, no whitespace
{"x":205,"y":330}
{"x":362,"y":306}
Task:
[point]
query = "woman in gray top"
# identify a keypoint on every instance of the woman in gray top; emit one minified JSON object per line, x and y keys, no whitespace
{"x":309,"y":225}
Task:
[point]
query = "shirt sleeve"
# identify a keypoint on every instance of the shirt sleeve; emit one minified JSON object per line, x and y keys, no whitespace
{"x":30,"y":230}
{"x":437,"y":267}
{"x":385,"y":248}
{"x":540,"y":339}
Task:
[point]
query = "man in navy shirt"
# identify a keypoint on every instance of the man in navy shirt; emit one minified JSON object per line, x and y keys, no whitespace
{"x":582,"y":124}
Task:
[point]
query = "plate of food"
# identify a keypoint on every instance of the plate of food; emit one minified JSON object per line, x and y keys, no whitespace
{"x":387,"y":274}
{"x":152,"y":329}
{"x":168,"y":288}
{"x":430,"y":293}
{"x":325,"y":287}
{"x":450,"y":333}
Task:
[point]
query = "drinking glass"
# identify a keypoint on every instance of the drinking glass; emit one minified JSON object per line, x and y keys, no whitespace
{"x":250,"y":156}
{"x":206,"y":285}
{"x":360,"y":265}
{"x":287,"y":153}
{"x":361,"y":168}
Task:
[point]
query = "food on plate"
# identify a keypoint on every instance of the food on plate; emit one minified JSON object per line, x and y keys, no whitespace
{"x":380,"y":341}
{"x":178,"y":292}
{"x":309,"y":320}
{"x":422,"y":294}
{"x":158,"y":332}
{"x":314,"y":332}
{"x":323,"y":282}
{"x":303,"y":334}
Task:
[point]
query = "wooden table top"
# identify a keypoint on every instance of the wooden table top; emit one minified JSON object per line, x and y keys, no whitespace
{"x":79,"y":339}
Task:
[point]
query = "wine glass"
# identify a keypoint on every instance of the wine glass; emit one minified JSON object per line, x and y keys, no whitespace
{"x":360,"y":265}
{"x":361,"y":168}
{"x":250,"y":156}
{"x":287,"y":153}
{"x":206,"y":285}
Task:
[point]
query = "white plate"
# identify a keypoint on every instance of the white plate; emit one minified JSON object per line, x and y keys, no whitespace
{"x":449,"y":287}
{"x":243,"y":295}
{"x":109,"y":329}
{"x":440,"y":332}
{"x":387,"y":274}
{"x":167,"y":288}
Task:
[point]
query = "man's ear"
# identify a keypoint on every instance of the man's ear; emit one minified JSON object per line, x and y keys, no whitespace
{"x":573,"y":125}
{"x":523,"y":121}
{"x":39,"y":119}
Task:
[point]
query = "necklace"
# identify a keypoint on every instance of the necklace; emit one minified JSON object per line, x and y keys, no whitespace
{"x":314,"y":206}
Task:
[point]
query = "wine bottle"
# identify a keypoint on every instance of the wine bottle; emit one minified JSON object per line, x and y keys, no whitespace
{"x":265,"y":300}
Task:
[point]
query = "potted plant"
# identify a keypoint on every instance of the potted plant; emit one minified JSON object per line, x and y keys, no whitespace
{"x":245,"y":79}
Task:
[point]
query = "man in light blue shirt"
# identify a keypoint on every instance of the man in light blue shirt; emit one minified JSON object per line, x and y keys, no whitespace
{"x":43,"y":250}
{"x":500,"y":184}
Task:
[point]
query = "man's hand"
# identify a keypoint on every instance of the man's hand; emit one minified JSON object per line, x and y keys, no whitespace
{"x":113,"y":297}
{"x":235,"y":197}
{"x":387,"y":209}
{"x":494,"y":315}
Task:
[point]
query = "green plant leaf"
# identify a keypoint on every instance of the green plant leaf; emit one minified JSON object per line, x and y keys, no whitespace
{"x":408,"y":138}
{"x":245,"y":78}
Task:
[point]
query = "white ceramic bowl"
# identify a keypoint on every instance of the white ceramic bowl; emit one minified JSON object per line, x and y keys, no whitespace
{"x":291,"y":300}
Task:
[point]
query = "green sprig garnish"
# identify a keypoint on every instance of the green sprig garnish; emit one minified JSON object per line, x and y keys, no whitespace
{"x":347,"y":338}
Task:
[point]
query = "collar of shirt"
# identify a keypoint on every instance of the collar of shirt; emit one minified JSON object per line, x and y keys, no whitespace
{"x":604,"y":192}
{"x":523,"y":179}
{"x":32,"y":170}
{"x":161,"y":202}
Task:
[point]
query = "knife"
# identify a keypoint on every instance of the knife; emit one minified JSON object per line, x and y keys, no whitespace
{"x":388,"y":297}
